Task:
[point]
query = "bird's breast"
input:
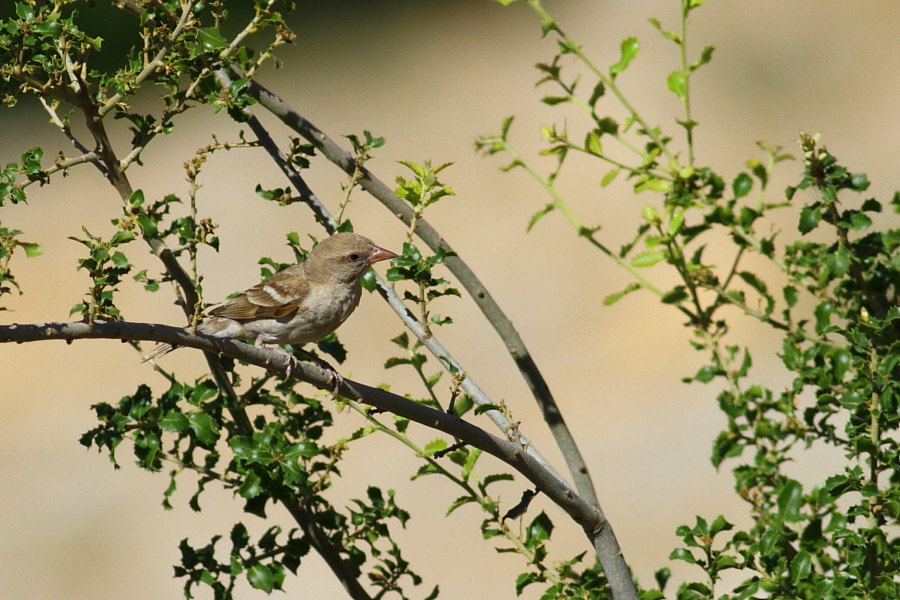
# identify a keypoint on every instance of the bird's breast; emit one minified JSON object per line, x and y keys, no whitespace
{"x":320,"y":313}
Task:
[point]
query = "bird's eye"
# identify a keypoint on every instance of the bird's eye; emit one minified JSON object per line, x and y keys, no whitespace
{"x":354,"y":257}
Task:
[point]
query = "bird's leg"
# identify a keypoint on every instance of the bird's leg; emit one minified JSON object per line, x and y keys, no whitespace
{"x":336,"y":377}
{"x":292,"y":362}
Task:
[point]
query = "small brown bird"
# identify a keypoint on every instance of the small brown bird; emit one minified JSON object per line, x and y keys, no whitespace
{"x":300,"y":304}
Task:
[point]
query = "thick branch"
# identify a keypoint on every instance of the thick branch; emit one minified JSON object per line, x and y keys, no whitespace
{"x":459,"y":268}
{"x":511,"y":453}
{"x":595,"y":526}
{"x":328,"y":551}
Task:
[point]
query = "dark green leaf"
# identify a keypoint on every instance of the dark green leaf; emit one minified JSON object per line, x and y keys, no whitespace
{"x":741,"y":185}
{"x":801,"y":567}
{"x":204,"y":427}
{"x":809,"y":219}
{"x":261,"y":577}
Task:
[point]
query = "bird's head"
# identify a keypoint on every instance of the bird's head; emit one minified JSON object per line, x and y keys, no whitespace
{"x":345,"y":257}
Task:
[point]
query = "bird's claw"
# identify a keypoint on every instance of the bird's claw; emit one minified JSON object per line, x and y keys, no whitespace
{"x":292,"y":364}
{"x":338,"y":380}
{"x":334,"y":376}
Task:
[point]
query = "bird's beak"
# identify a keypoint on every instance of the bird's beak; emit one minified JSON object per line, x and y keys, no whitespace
{"x":380,"y":254}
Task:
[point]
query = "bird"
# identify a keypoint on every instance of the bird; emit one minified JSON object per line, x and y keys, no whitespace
{"x":300,"y":304}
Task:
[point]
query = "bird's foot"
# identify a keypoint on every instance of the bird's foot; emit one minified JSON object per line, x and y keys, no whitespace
{"x":292,"y":362}
{"x":334,"y":376}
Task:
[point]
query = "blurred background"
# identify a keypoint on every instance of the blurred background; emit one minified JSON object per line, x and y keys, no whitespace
{"x":429,"y":76}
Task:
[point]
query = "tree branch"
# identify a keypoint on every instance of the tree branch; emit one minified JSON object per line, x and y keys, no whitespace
{"x":596,"y":528}
{"x":509,"y":452}
{"x":491,"y":310}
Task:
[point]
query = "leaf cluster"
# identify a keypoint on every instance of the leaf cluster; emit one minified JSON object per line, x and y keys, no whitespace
{"x":833,"y":299}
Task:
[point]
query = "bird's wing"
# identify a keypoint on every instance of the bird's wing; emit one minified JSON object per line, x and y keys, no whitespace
{"x":277,"y":297}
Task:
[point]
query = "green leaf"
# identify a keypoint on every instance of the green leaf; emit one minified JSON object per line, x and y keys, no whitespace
{"x":554,"y":100}
{"x":791,"y":295}
{"x":629,"y":49}
{"x":860,"y":182}
{"x":609,"y":177}
{"x":682,"y":554}
{"x":539,"y":530}
{"x":31,"y":249}
{"x":705,"y":57}
{"x":123,"y":236}
{"x":592,"y":143}
{"x":540,"y":215}
{"x":526,"y":579}
{"x":653,"y":184}
{"x":251,"y":487}
{"x":823,"y":312}
{"x":838,"y":263}
{"x":801,"y":567}
{"x":148,"y":227}
{"x":648,"y":258}
{"x":669,"y":35}
{"x":496,"y":477}
{"x":675,"y":223}
{"x":261,"y":577}
{"x":434,"y":446}
{"x":809,"y":219}
{"x":204,"y":427}
{"x":719,"y":525}
{"x":173,"y":422}
{"x":677,"y":84}
{"x":859,"y":221}
{"x":742,"y":185}
{"x":613,"y":298}
{"x":675,"y":295}
{"x":459,"y":502}
{"x":706,"y":374}
{"x":790,"y":500}
{"x":598,"y":92}
{"x":210,"y":39}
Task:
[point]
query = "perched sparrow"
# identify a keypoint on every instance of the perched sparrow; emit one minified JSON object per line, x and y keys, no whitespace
{"x":300,"y":304}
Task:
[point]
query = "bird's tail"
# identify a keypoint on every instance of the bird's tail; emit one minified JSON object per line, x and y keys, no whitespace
{"x":159,"y":351}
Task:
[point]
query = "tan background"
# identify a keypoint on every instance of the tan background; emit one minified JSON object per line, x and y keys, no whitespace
{"x":429,"y":77}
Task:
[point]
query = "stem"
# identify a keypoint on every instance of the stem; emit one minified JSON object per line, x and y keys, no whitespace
{"x":686,"y":99}
{"x":606,"y":79}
